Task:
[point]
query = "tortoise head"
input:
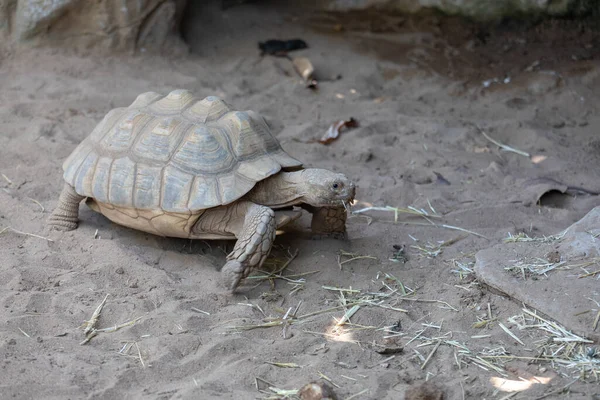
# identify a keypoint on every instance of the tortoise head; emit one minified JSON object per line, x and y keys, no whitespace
{"x":323,"y":188}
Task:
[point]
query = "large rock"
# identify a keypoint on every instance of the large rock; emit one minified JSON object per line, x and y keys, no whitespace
{"x":112,"y":24}
{"x":478,"y":9}
{"x":566,"y":293}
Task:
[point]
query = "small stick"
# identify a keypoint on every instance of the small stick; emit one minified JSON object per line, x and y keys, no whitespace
{"x":596,"y":320}
{"x":25,"y":233}
{"x":505,"y":329}
{"x":456,"y":228}
{"x":140,"y":355}
{"x":356,"y":395}
{"x":431,"y":354}
{"x":199,"y":311}
{"x":38,"y":203}
{"x":382,"y":361}
{"x":283,"y":365}
{"x":502,"y":146}
{"x":285,"y":323}
{"x":256,"y":379}
{"x":340,"y":289}
{"x":559,"y":390}
{"x":346,"y":317}
{"x":429,"y":301}
{"x":589,"y":274}
{"x":328,"y":379}
{"x":24,"y":333}
{"x":357,"y":258}
{"x":117,"y":327}
{"x":7,"y":180}
{"x":287,"y":263}
{"x":90,"y":324}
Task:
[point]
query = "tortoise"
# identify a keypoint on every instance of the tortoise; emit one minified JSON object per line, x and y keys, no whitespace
{"x":180,"y":166}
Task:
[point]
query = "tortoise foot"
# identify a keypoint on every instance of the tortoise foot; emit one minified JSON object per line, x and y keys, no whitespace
{"x":61,"y":223}
{"x":232,"y":273}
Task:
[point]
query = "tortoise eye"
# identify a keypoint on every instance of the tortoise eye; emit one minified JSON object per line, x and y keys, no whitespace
{"x":336,"y":185}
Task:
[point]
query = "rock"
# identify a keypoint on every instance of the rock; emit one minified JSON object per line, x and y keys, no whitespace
{"x":564,"y":295}
{"x":35,"y":16}
{"x":7,"y":8}
{"x":317,"y":391}
{"x":478,"y":9}
{"x":111,"y":24}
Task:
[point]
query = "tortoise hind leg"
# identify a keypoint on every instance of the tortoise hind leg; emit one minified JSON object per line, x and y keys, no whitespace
{"x":66,"y":214}
{"x":254,"y":243}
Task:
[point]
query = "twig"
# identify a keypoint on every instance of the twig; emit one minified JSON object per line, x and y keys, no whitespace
{"x":91,"y":323}
{"x":341,"y":289}
{"x":38,"y":203}
{"x":117,"y":327}
{"x":429,"y":301}
{"x":502,"y":146}
{"x":24,"y":333}
{"x":431,"y":354}
{"x":505,"y":329}
{"x":9,"y":228}
{"x":140,"y":355}
{"x":356,"y":395}
{"x":559,"y":390}
{"x":322,"y":375}
{"x":589,"y":274}
{"x":7,"y":180}
{"x":456,"y":228}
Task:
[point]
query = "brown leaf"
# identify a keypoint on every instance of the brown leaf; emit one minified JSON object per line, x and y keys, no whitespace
{"x":335,"y":129}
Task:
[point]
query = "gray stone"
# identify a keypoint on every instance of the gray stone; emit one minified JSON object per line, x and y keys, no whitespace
{"x":561,"y":294}
{"x":109,"y":24}
{"x":7,"y":8}
{"x":478,"y":9}
{"x":33,"y":16}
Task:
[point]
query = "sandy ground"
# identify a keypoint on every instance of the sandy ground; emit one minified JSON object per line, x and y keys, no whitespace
{"x":419,"y":95}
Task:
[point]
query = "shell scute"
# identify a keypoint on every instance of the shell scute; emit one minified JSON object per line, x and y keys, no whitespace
{"x":204,"y":150}
{"x":159,"y":139}
{"x":100,"y":180}
{"x":176,"y":186}
{"x":120,"y":185}
{"x":146,"y":192}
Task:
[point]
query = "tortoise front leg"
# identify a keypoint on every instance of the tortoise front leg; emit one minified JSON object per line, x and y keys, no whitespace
{"x":66,"y":214}
{"x":328,"y":221}
{"x":255,"y":239}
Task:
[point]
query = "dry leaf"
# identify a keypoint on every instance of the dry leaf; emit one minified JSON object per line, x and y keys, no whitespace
{"x":334,"y":130}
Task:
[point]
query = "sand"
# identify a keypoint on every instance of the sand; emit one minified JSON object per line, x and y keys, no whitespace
{"x":422,"y":90}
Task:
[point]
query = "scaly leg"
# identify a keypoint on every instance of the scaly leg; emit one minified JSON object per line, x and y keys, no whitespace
{"x":66,"y":214}
{"x":328,"y":221}
{"x":255,"y":228}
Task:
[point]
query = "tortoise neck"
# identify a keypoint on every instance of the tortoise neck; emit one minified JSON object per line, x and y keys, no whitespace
{"x":280,"y":190}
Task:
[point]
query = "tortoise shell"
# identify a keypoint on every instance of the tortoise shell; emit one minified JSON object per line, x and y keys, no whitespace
{"x":175,"y":153}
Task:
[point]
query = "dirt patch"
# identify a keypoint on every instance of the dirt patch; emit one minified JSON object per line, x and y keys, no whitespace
{"x":420,"y":314}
